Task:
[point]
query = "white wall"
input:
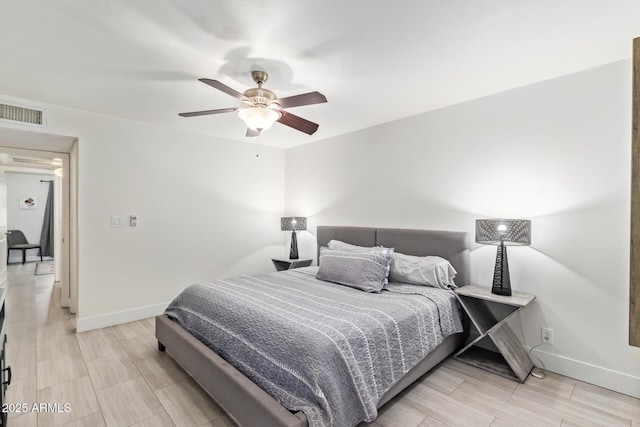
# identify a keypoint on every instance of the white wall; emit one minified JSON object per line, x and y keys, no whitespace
{"x":27,"y":220}
{"x":557,"y":152}
{"x":207,"y":209}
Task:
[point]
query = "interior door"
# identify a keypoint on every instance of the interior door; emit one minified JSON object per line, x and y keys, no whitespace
{"x":3,"y":230}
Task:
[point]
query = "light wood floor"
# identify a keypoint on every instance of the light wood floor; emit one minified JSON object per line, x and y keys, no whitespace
{"x":116,"y":377}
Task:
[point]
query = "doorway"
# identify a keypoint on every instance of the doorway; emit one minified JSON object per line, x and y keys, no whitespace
{"x":60,"y":153}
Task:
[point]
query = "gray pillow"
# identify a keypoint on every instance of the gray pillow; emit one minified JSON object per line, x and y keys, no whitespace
{"x":361,"y":270}
{"x":426,"y":271}
{"x":348,"y":247}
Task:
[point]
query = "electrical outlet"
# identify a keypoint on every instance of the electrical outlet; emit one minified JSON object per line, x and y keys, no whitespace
{"x":547,"y":335}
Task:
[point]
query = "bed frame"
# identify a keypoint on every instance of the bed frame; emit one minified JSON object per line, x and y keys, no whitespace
{"x":245,"y":402}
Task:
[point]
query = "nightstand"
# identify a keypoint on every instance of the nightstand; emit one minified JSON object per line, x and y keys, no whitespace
{"x":290,"y":264}
{"x":511,"y":360}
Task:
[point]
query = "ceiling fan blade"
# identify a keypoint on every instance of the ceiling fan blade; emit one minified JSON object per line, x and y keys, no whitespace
{"x":251,"y":133}
{"x":303,"y":99}
{"x":224,"y":88}
{"x":207,"y":112}
{"x":298,"y":123}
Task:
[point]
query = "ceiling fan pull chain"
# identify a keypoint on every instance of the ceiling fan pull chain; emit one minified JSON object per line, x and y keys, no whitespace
{"x":257,"y":144}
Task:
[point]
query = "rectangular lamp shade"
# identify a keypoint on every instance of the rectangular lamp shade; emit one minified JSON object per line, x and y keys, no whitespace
{"x":506,"y":231}
{"x":503,"y":232}
{"x":290,"y":223}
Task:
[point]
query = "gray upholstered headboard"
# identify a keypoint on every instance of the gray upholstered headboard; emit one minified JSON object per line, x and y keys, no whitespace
{"x":451,"y":245}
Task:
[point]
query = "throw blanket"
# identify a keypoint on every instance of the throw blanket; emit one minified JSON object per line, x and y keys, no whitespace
{"x":328,"y":350}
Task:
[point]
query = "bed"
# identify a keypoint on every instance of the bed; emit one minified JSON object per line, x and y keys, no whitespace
{"x":247,"y":403}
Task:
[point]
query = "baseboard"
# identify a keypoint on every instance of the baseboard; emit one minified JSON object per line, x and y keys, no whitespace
{"x":119,"y":317}
{"x":592,"y":374}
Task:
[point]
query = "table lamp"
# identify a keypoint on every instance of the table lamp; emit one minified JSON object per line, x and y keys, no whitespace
{"x":293,"y":223}
{"x":503,"y":232}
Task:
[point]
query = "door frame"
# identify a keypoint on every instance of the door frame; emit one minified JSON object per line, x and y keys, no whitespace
{"x":4,"y":243}
{"x":68,"y":288}
{"x":634,"y":267}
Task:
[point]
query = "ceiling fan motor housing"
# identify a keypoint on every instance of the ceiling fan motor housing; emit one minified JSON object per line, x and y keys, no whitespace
{"x":262,"y":97}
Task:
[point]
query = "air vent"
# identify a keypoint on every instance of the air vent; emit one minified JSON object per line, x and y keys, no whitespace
{"x":14,"y":113}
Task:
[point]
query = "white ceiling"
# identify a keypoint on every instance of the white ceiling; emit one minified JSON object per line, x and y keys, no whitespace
{"x":375,"y":60}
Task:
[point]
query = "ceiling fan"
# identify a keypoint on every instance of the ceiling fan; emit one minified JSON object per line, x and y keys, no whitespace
{"x":262,"y":107}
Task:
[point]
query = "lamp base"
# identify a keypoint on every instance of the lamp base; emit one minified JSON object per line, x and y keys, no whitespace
{"x":500,"y":291}
{"x":293,"y":253}
{"x":501,"y":279}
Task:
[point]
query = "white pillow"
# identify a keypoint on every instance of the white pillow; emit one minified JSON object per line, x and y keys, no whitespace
{"x":338,"y":245}
{"x":431,"y":271}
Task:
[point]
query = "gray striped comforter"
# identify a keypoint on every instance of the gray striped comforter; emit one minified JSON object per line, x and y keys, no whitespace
{"x":328,"y":350}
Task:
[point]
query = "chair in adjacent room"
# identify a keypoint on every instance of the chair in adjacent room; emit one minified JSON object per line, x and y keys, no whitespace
{"x":17,"y":241}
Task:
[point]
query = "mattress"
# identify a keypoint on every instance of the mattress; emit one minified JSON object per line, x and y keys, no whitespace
{"x":327,"y":350}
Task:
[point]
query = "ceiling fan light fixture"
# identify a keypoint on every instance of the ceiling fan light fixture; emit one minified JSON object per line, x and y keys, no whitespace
{"x":258,"y":118}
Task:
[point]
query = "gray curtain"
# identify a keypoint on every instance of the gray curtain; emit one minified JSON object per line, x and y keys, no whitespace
{"x":46,"y":238}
